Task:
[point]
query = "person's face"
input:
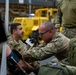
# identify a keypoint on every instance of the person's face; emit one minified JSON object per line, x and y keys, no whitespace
{"x":45,"y":34}
{"x":19,"y":31}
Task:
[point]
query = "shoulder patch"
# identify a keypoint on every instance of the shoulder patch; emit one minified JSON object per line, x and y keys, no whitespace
{"x":54,"y":64}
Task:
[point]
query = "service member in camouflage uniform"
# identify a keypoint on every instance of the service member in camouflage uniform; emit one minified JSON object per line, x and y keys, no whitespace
{"x":55,"y":43}
{"x":15,"y":43}
{"x":14,"y":40}
{"x":66,"y":17}
{"x":9,"y":55}
{"x":19,"y":62}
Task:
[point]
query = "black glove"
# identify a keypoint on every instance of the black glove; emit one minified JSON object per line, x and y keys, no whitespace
{"x":33,"y":40}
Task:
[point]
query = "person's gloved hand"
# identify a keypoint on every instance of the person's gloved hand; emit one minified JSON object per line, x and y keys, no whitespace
{"x":33,"y":40}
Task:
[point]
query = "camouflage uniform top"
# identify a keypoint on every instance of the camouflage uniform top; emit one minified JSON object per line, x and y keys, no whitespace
{"x":57,"y":46}
{"x":66,"y":13}
{"x":19,"y":46}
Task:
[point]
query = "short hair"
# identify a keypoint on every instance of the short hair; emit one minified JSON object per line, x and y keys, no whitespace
{"x":14,"y":26}
{"x":49,"y":25}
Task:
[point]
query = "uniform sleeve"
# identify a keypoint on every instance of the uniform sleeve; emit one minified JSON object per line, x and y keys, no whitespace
{"x":46,"y":51}
{"x":58,"y":17}
{"x":72,"y":52}
{"x":10,"y":43}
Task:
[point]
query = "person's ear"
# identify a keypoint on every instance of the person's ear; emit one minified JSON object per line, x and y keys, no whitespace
{"x":14,"y":31}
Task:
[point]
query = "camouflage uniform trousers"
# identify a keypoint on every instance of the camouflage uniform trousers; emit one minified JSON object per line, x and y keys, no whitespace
{"x":69,"y":32}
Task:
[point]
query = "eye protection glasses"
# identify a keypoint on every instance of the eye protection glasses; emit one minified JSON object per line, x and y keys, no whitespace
{"x":41,"y":34}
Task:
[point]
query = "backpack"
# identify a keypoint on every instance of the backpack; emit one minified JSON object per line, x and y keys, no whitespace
{"x":72,"y":52}
{"x":57,"y":68}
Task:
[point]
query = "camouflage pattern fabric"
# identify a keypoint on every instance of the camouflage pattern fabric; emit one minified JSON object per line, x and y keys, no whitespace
{"x":59,"y":15}
{"x":66,"y":17}
{"x":19,"y":46}
{"x":58,"y":46}
{"x":72,"y":52}
{"x":69,"y":32}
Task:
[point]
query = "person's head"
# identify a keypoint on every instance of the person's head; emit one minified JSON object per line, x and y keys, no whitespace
{"x":47,"y":31}
{"x":16,"y":30}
